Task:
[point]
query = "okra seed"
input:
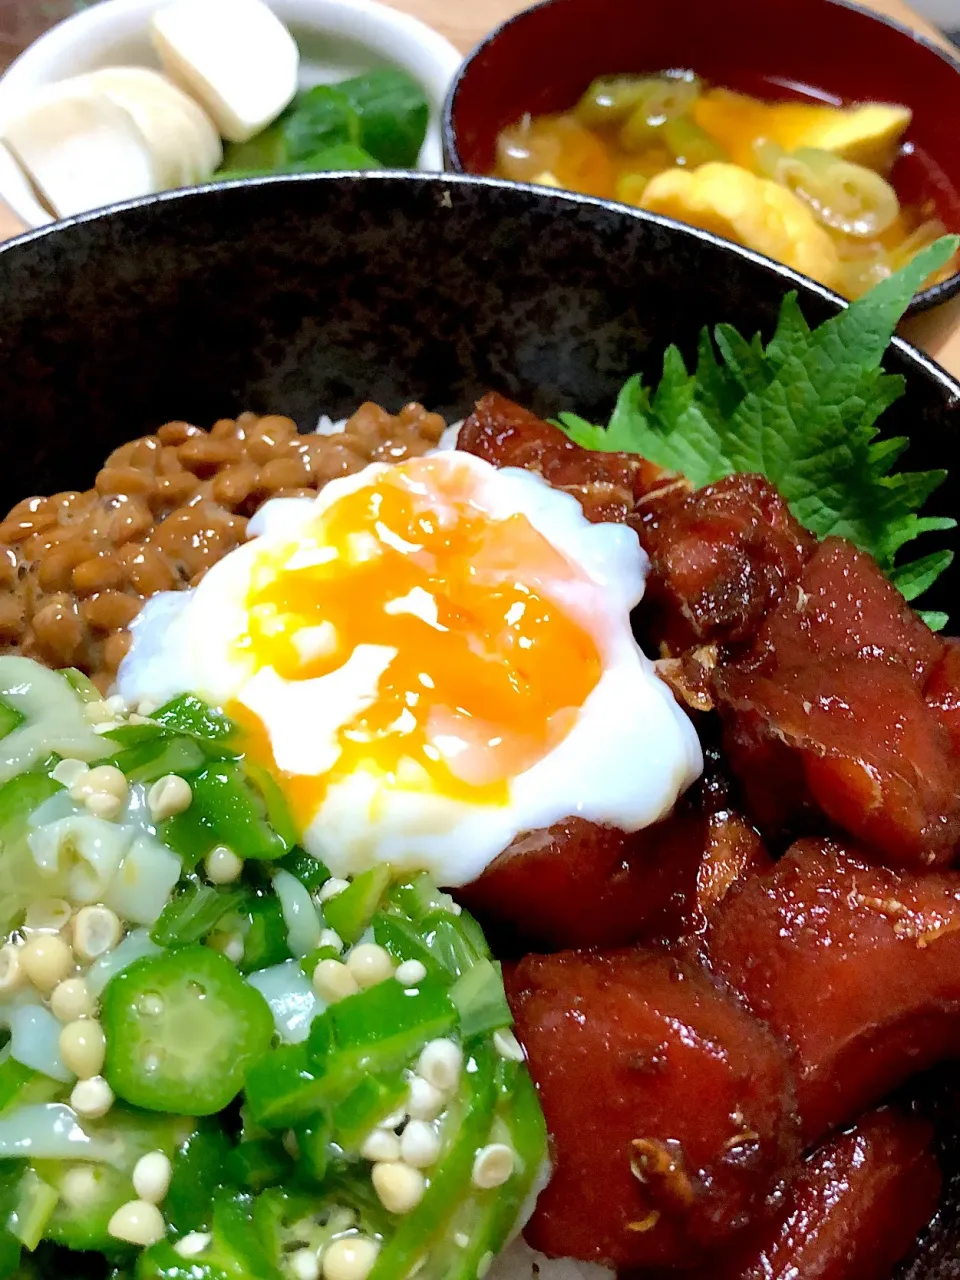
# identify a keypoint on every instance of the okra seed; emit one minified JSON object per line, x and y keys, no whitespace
{"x":484,"y":1265}
{"x":46,"y":960}
{"x":332,"y":887}
{"x":461,"y":1239}
{"x":193,"y":1243}
{"x":96,"y":712}
{"x":507,"y":1045}
{"x":146,"y":707}
{"x":96,"y":930}
{"x":305,"y":1264}
{"x":80,"y":1186}
{"x":150,"y":1005}
{"x":419,"y":1144}
{"x":441,"y":1063}
{"x":71,"y":999}
{"x":169,"y":796}
{"x":330,"y":938}
{"x":394,"y":1120}
{"x":370,"y":964}
{"x":151,"y":1176}
{"x":91,"y":1098}
{"x":105,"y":778}
{"x":138,"y":1222}
{"x":116,"y":705}
{"x":381,"y":1144}
{"x":399,"y":1187}
{"x":68,"y":772}
{"x":11,"y":970}
{"x":333,"y":981}
{"x":83,"y":1047}
{"x":492,"y":1165}
{"x":424,"y":1101}
{"x":223,"y":866}
{"x":103,"y":805}
{"x":350,"y":1258}
{"x":410,"y":972}
{"x":47,"y":915}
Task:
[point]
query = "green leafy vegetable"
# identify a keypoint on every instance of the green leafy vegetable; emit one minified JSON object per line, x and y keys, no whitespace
{"x":374,"y":120}
{"x":321,"y":117}
{"x":801,"y":411}
{"x":393,"y":115}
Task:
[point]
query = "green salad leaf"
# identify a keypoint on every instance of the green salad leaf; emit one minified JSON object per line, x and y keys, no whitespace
{"x":371,"y":121}
{"x":802,"y":411}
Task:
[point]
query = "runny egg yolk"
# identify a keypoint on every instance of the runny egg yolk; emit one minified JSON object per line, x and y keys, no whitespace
{"x":488,"y":669}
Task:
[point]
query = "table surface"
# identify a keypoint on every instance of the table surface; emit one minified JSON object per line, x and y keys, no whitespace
{"x":464,"y":22}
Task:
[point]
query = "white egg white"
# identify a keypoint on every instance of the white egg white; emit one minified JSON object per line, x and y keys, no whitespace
{"x":630,"y":752}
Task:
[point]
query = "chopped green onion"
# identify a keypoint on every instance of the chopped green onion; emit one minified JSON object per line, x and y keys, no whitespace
{"x":365,"y":1106}
{"x":134,"y":735}
{"x":480,"y":1000}
{"x":313,"y":1141}
{"x":382,"y":1028}
{"x":450,"y":944}
{"x":402,"y":939}
{"x":419,"y":897}
{"x":351,"y":911}
{"x":264,"y":932}
{"x":310,"y":871}
{"x":36,"y":1201}
{"x":191,"y":715}
{"x":20,"y":1085}
{"x":258,"y":1164}
{"x":10,"y":718}
{"x":195,"y":912}
{"x":155,"y":757}
{"x":285,"y":1088}
{"x":247,"y":820}
{"x":18,"y":799}
{"x":201,"y":1168}
{"x":81,"y":684}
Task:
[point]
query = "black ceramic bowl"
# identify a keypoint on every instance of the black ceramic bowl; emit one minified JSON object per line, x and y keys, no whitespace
{"x":311,"y":294}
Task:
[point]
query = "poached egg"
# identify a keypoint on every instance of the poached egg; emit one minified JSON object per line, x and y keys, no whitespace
{"x":432,"y":657}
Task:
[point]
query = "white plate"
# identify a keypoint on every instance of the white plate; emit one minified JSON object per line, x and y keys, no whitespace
{"x":337,"y":39}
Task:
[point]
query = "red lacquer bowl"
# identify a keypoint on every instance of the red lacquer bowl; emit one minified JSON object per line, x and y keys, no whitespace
{"x":543,"y":59}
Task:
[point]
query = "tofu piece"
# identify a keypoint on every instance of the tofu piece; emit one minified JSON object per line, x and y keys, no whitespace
{"x":81,"y":150}
{"x":235,"y":57}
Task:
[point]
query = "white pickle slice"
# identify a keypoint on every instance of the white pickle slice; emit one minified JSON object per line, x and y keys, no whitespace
{"x":81,"y":150}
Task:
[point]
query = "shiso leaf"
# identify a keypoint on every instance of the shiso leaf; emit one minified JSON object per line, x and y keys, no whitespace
{"x":803,"y":412}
